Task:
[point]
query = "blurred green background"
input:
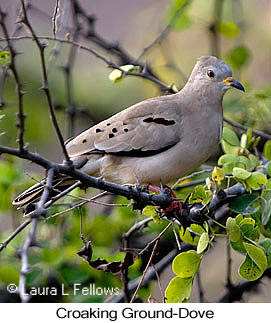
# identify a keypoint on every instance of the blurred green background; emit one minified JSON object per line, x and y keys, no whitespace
{"x":242,"y":38}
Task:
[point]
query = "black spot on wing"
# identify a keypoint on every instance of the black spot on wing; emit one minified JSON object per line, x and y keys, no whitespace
{"x":162,"y":121}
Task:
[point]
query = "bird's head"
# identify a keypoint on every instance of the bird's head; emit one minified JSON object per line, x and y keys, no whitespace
{"x":214,"y":73}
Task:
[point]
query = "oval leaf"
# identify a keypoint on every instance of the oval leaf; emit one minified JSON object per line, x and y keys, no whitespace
{"x":240,"y":173}
{"x":238,"y":56}
{"x":179,"y":290}
{"x":257,"y":255}
{"x":268,"y":168}
{"x":227,"y":158}
{"x":249,"y":270}
{"x":228,"y":148}
{"x":256,"y":180}
{"x":230,"y":137}
{"x":203,"y":243}
{"x":186,"y":264}
{"x":228,"y":29}
{"x":241,"y":203}
{"x":266,"y":244}
{"x":267,"y":149}
{"x":233,"y":230}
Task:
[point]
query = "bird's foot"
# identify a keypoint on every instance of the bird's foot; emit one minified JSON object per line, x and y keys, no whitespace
{"x":175,"y":206}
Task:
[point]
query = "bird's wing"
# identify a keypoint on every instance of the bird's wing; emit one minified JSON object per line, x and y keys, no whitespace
{"x":143,"y":129}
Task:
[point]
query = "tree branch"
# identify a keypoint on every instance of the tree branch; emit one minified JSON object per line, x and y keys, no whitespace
{"x":45,"y":87}
{"x":12,"y":67}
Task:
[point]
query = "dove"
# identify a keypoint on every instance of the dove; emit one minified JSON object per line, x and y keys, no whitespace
{"x":155,"y":141}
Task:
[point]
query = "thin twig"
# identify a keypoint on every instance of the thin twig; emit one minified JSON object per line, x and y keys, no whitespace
{"x":255,"y":132}
{"x":163,"y":86}
{"x":159,"y":282}
{"x":25,"y":269}
{"x":145,"y":270}
{"x":207,"y":170}
{"x":45,"y":86}
{"x":76,"y":205}
{"x":12,"y":67}
{"x":31,"y":239}
{"x":176,"y":236}
{"x":150,"y":275}
{"x":71,"y":108}
{"x":144,"y":74}
{"x":14,"y":234}
{"x":154,"y":240}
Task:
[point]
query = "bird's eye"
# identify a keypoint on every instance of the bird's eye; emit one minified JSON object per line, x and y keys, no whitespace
{"x":211,"y":73}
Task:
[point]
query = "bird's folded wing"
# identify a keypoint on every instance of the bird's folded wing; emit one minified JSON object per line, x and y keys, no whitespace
{"x":138,"y":131}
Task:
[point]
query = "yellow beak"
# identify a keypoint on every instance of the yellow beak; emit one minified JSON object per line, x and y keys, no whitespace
{"x":232,"y":82}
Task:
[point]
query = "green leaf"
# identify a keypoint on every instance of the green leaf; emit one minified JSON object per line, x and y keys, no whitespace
{"x":230,"y":137}
{"x":257,"y":255}
{"x":246,"y":162}
{"x":178,"y":16}
{"x":268,"y":184}
{"x":186,"y":264}
{"x":267,"y":149}
{"x":247,"y":226}
{"x":238,"y":246}
{"x":238,"y":56}
{"x":239,"y":218}
{"x":243,"y":141}
{"x":4,"y":57}
{"x":203,"y":243}
{"x":228,"y":167}
{"x":249,"y":270}
{"x":233,"y":230}
{"x":227,"y":158}
{"x":266,"y":211}
{"x":179,"y":290}
{"x":254,"y":160}
{"x":256,"y":180}
{"x":240,"y":173}
{"x":189,"y":238}
{"x":266,"y":244}
{"x":150,"y":211}
{"x":268,"y":168}
{"x":228,"y":29}
{"x":228,"y":148}
{"x":198,"y":195}
{"x":241,"y":203}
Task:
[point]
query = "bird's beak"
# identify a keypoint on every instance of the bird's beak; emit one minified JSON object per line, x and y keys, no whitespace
{"x":232,"y":82}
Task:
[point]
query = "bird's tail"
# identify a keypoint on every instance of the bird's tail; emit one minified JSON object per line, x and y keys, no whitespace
{"x":28,"y":198}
